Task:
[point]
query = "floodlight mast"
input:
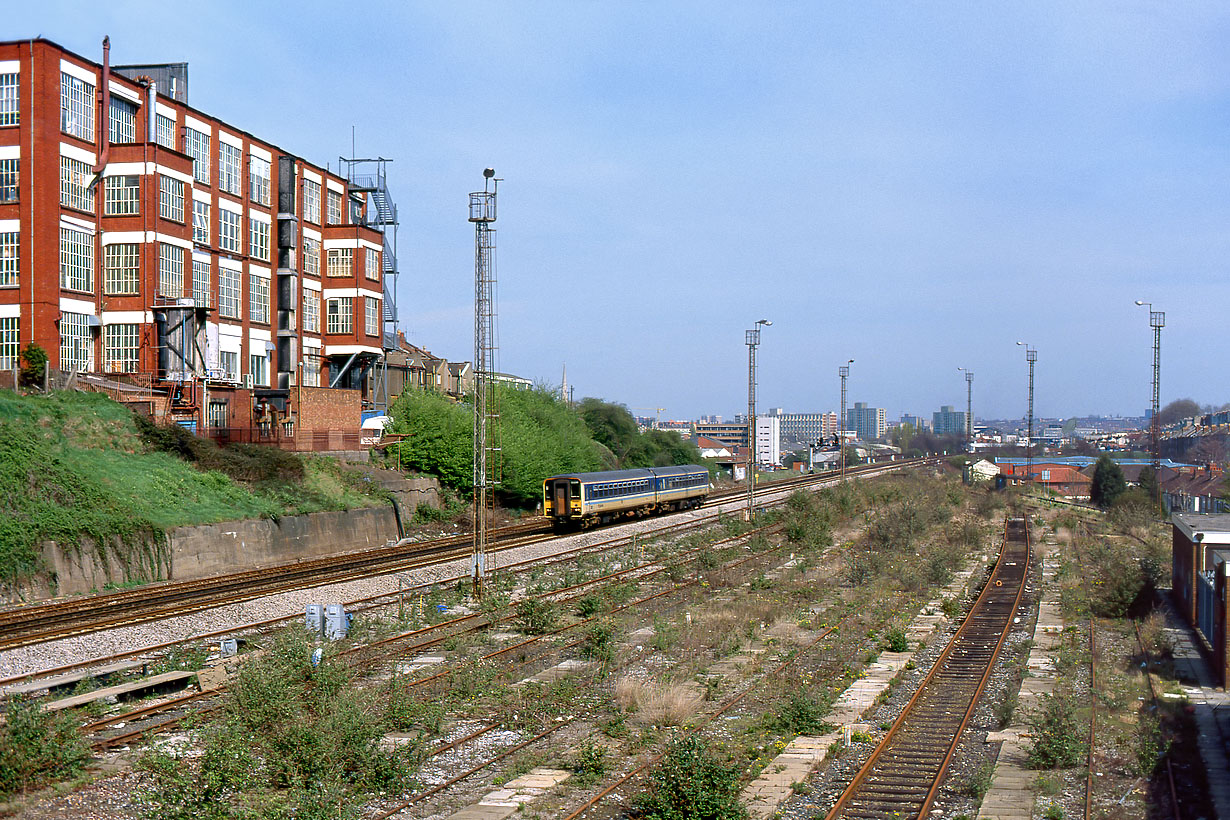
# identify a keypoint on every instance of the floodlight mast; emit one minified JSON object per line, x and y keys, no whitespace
{"x":844,"y":373}
{"x":486,"y":411}
{"x":969,"y":408}
{"x":1157,"y":320}
{"x":752,"y":340}
{"x":1031,"y":356}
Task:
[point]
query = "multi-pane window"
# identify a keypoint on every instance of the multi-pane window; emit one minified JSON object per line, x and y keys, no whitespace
{"x":123,"y":121}
{"x":9,"y":110}
{"x":121,"y":268}
{"x":9,"y":327}
{"x":371,"y":316}
{"x":121,"y":195}
{"x":228,"y":293}
{"x":311,"y":201}
{"x":10,"y":258}
{"x":215,"y":414}
{"x":311,"y":256}
{"x":76,"y":107}
{"x":76,"y":259}
{"x":164,"y":135}
{"x":170,"y":270}
{"x":258,"y":179}
{"x":340,"y":261}
{"x":228,"y":361}
{"x":120,"y":345}
{"x":200,"y":221}
{"x":258,"y":238}
{"x":76,"y":347}
{"x":335,"y":208}
{"x":339,"y":315}
{"x":258,"y":367}
{"x":228,"y":230}
{"x":311,"y":371}
{"x":196,"y":145}
{"x":371,"y":263}
{"x":9,"y":177}
{"x":230,"y":163}
{"x":311,"y":311}
{"x":258,"y":298}
{"x":171,"y":198}
{"x":200,"y":282}
{"x":74,"y":184}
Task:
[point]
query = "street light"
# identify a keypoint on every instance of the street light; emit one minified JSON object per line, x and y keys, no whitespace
{"x":1031,"y":356}
{"x":752,"y":339}
{"x":1157,"y":320}
{"x":844,"y":372}
{"x":969,"y":408}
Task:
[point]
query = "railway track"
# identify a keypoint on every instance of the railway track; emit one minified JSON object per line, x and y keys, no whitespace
{"x":31,"y":624}
{"x":901,"y":778}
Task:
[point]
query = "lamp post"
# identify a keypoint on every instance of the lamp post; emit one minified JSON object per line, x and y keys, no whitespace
{"x":844,"y":372}
{"x":752,"y":340}
{"x":1031,"y":356}
{"x":969,"y":408}
{"x":1157,"y":320}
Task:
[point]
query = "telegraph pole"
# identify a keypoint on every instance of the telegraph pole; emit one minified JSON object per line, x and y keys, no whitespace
{"x":844,"y":372}
{"x":969,"y":408}
{"x":486,"y":410}
{"x":752,"y":340}
{"x":1031,"y":356}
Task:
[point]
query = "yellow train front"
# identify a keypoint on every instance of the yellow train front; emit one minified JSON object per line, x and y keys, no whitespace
{"x":584,"y":499}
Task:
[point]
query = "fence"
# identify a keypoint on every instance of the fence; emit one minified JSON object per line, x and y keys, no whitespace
{"x":301,"y":441}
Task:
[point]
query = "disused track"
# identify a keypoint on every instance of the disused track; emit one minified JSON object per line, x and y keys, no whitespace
{"x":26,"y":625}
{"x":901,"y":778}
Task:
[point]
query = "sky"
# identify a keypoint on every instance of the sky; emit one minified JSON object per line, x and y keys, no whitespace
{"x":915,"y":186}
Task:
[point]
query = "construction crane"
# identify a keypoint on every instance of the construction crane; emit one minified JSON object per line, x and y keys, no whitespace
{"x":657,"y":411}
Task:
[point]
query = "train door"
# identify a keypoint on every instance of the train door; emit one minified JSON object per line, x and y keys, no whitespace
{"x":559,"y":498}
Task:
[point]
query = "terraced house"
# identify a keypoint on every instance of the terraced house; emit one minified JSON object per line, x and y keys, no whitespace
{"x":149,"y":246}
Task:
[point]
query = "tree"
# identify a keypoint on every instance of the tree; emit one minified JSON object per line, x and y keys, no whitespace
{"x":1148,"y":482}
{"x":1177,"y":409}
{"x":34,"y":364}
{"x":1108,"y":483}
{"x":902,"y":435}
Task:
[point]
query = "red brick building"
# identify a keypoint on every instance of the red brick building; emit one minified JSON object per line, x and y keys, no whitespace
{"x":152,"y":244}
{"x":1200,"y":556}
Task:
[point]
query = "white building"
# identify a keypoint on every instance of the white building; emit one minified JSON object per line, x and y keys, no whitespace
{"x":768,"y":440}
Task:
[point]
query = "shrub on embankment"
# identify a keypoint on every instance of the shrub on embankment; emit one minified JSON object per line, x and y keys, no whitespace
{"x":78,"y":469}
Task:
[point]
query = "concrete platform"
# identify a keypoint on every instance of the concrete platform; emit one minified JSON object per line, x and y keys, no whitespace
{"x":516,"y":793}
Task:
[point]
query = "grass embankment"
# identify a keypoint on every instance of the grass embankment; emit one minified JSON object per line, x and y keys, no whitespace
{"x":78,"y":467}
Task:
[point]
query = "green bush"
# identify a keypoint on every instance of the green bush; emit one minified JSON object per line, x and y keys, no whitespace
{"x":896,"y":641}
{"x":1058,"y":737}
{"x":589,"y":764}
{"x":691,"y":782}
{"x":535,"y":616}
{"x":37,"y":747}
{"x":599,"y":643}
{"x":799,"y":714}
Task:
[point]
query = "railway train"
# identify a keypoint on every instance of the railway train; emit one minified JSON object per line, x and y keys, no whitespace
{"x":584,"y":499}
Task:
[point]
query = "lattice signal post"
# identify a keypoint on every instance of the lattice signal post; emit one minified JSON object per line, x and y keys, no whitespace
{"x":487,"y":454}
{"x":1031,"y":356}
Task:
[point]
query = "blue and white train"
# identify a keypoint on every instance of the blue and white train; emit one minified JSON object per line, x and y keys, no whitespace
{"x":584,"y":499}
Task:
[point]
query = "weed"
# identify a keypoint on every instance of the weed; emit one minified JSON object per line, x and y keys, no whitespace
{"x":589,"y":605}
{"x":1058,"y":738}
{"x":589,"y":764}
{"x":535,"y":616}
{"x":860,"y":737}
{"x":896,"y":641}
{"x":798,"y":714}
{"x":1053,"y":812}
{"x":599,"y":643}
{"x":691,"y":781}
{"x":800,"y":787}
{"x":979,"y":781}
{"x":37,"y":747}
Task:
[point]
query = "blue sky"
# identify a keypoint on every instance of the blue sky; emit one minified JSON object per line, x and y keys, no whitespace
{"x":913,"y":185}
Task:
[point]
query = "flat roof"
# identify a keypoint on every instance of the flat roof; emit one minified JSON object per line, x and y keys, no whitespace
{"x":1215,"y":527}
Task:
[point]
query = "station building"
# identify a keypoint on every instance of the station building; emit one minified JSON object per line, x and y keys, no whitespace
{"x":173,"y":257}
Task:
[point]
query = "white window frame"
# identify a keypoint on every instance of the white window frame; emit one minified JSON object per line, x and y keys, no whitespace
{"x":10,"y":99}
{"x":311,"y":370}
{"x":311,"y":311}
{"x":311,"y":256}
{"x":230,"y":168}
{"x":202,"y":273}
{"x":10,"y":179}
{"x":164,"y":135}
{"x":228,"y":361}
{"x":258,"y":238}
{"x":258,"y":368}
{"x":259,"y":178}
{"x":258,"y":298}
{"x":121,"y":269}
{"x":170,"y":270}
{"x":339,"y":262}
{"x":333,"y":201}
{"x":200,"y":221}
{"x":371,"y":264}
{"x":171,"y":198}
{"x":229,"y":302}
{"x":339,"y":315}
{"x":197,"y":146}
{"x":10,"y":342}
{"x":122,"y":195}
{"x":121,"y":348}
{"x":74,"y":184}
{"x":76,"y":260}
{"x":10,"y":258}
{"x":122,"y":121}
{"x":75,"y":357}
{"x":371,"y":316}
{"x":229,"y":236}
{"x":311,"y":201}
{"x":76,"y":107}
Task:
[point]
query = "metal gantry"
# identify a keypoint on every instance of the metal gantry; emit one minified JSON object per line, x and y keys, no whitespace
{"x":844,"y":373}
{"x":1157,"y":321}
{"x":1031,"y":356}
{"x":969,"y":408}
{"x":752,"y":340}
{"x":486,"y":348}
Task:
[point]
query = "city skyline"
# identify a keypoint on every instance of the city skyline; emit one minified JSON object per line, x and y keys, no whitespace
{"x":913,"y":188}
